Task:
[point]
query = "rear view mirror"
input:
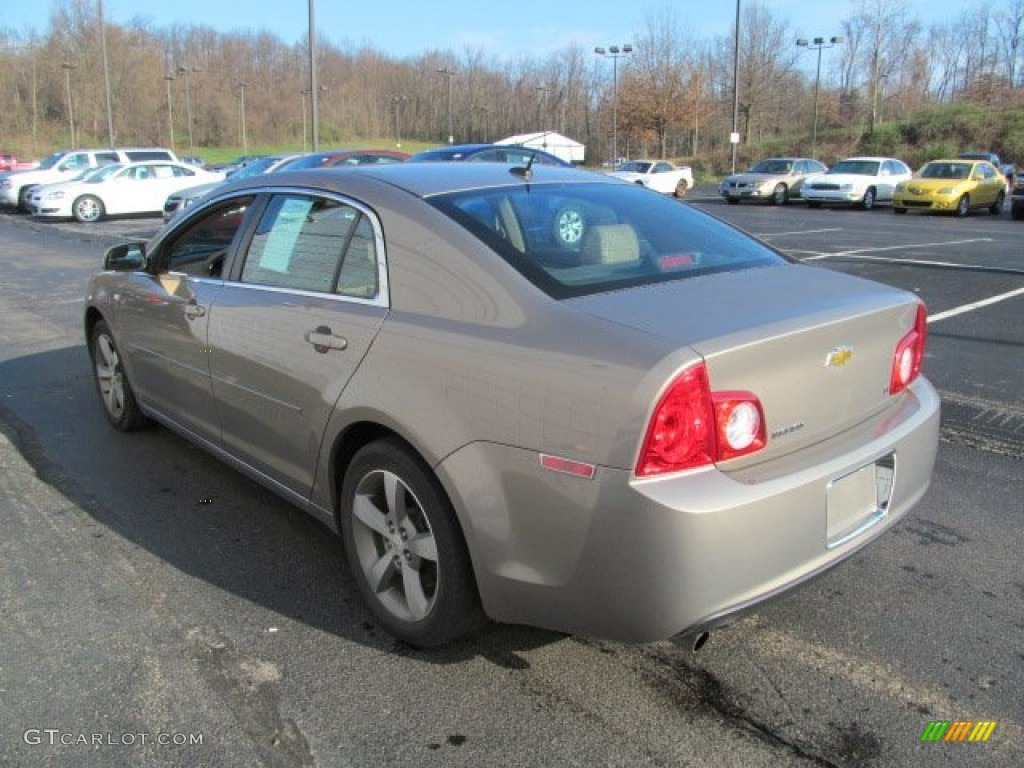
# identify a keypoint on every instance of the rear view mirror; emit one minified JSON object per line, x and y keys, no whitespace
{"x":126,"y":257}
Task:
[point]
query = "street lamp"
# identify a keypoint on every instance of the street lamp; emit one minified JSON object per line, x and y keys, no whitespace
{"x":487,"y":113}
{"x":817,"y":44}
{"x":542,"y":106}
{"x":188,"y":102}
{"x":615,"y":53}
{"x":734,"y":137}
{"x":170,"y":110}
{"x":241,"y":112}
{"x":449,"y":73}
{"x":106,"y":73}
{"x":67,"y":67}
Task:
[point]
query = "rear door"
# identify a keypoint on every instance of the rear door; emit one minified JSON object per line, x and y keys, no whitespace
{"x":289,"y":329}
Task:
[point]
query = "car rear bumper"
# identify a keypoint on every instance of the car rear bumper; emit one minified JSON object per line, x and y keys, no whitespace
{"x":642,"y":560}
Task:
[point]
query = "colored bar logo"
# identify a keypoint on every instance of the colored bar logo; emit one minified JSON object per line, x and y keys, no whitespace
{"x":959,"y":730}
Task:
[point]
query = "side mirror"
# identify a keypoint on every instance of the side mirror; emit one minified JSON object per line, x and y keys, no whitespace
{"x":127,"y":257}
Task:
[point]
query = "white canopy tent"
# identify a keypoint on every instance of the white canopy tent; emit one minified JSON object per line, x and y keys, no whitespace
{"x":551,"y":142}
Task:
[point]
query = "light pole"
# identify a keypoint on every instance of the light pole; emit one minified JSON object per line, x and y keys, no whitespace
{"x":542,"y":106}
{"x":396,"y":102}
{"x":734,"y":137}
{"x":241,"y":113}
{"x":67,"y":67}
{"x":168,"y":78}
{"x":449,"y":73}
{"x":487,"y":114}
{"x":615,"y":53}
{"x":313,"y":89}
{"x":106,"y":73}
{"x":305,"y":134}
{"x":188,"y":102}
{"x":817,"y":44}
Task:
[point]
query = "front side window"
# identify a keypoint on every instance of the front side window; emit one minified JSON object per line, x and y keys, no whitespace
{"x":313,"y":244}
{"x":202,"y":246}
{"x":582,"y":238}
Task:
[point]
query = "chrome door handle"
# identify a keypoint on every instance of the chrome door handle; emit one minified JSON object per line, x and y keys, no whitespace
{"x":323,"y":339}
{"x":193,"y":310}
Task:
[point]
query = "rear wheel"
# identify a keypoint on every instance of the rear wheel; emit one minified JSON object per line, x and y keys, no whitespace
{"x":405,"y":548}
{"x":681,"y":188}
{"x":87,"y":209}
{"x":997,"y":207}
{"x":899,"y":210}
{"x":813,"y":204}
{"x":963,"y":206}
{"x":732,"y":200}
{"x":112,"y":383}
{"x":1017,"y":212}
{"x":780,"y":195}
{"x":569,"y":224}
{"x":868,"y":201}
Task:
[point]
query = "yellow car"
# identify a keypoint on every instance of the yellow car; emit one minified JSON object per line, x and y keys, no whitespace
{"x":953,"y":186}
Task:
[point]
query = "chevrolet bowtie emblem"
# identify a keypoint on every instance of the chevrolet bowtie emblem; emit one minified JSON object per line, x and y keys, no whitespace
{"x":838,"y":357}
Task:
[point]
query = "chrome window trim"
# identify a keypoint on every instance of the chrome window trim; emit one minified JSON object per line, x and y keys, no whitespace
{"x":383,"y":297}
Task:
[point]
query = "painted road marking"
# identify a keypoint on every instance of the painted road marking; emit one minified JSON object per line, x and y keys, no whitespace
{"x":860,"y":251}
{"x":974,"y":305}
{"x":798,"y":232}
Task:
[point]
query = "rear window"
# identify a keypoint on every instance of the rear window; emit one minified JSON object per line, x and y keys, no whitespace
{"x":577,"y":239}
{"x":137,"y":155}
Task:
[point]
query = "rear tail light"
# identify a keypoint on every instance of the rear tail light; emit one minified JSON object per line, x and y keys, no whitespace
{"x":906,"y":362}
{"x":693,"y":427}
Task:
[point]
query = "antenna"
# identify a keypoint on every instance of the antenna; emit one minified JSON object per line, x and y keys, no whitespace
{"x":525,"y":172}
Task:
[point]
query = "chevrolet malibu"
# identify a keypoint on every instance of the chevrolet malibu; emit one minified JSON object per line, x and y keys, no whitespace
{"x":637,"y":434}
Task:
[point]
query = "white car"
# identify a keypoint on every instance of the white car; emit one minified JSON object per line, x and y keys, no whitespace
{"x":861,"y":181}
{"x":117,"y":189}
{"x":659,"y":175}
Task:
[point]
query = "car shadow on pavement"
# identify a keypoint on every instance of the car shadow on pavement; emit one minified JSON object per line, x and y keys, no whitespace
{"x":193,"y":512}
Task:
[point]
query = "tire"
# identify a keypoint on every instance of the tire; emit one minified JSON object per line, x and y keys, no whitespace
{"x":681,"y":189}
{"x":23,"y":194}
{"x":1017,"y":212}
{"x":813,"y":204}
{"x":780,"y":195}
{"x":868,"y":201}
{"x":405,"y":548}
{"x":87,"y":209}
{"x":997,"y":207}
{"x":963,"y":206}
{"x":112,"y":383}
{"x":732,"y":200}
{"x":569,"y":226}
{"x":899,"y":210}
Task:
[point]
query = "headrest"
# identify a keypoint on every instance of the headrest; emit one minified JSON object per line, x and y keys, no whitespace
{"x":610,"y":244}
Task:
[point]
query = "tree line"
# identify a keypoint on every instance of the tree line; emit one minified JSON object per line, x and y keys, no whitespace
{"x":186,"y":85}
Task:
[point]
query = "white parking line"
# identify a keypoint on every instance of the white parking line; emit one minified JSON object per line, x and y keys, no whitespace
{"x":859,"y":251}
{"x":974,"y":305}
{"x":798,"y":232}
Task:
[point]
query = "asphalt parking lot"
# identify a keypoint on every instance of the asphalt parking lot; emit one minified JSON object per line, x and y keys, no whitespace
{"x":146,"y":588}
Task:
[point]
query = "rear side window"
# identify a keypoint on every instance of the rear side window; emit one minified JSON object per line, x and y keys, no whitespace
{"x":137,"y":155}
{"x":313,"y":244}
{"x":577,"y":239}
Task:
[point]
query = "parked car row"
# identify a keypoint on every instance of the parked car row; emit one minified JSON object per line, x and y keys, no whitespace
{"x":958,"y":185}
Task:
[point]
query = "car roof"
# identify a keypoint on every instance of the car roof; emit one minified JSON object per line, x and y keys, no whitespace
{"x":421,"y":179}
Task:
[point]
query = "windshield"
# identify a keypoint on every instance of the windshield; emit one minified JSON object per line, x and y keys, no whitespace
{"x":856,"y":167}
{"x":307,"y":161}
{"x":578,"y":239}
{"x":946,"y":171}
{"x":104,"y":173}
{"x":774,"y":167}
{"x":255,"y":168}
{"x":635,"y":166}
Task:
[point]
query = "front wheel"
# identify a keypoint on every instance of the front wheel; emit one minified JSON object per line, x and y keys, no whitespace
{"x":780,"y":195}
{"x":813,"y":204}
{"x":404,"y":547}
{"x":681,"y":188}
{"x":1017,"y":212}
{"x":87,"y":209}
{"x":112,"y":383}
{"x":963,"y":206}
{"x":868,"y":201}
{"x":898,"y":210}
{"x":997,"y":207}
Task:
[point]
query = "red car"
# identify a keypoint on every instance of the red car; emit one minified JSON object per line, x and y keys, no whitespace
{"x":9,"y":162}
{"x":343,"y":157}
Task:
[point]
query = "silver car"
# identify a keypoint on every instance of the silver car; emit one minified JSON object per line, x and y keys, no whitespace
{"x":634,"y":434}
{"x":776,"y":180}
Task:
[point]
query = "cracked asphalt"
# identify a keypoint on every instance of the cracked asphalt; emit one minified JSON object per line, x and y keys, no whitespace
{"x":147,"y":590}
